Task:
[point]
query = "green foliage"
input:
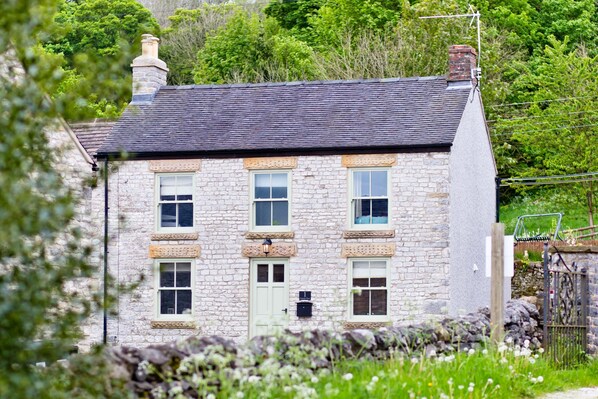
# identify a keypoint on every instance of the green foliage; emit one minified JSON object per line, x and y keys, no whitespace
{"x":102,"y":33}
{"x":556,"y":128}
{"x":39,"y":252}
{"x":187,"y":35}
{"x":253,"y":48}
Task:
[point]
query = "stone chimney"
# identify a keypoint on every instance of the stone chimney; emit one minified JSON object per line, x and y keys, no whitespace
{"x":149,"y":72}
{"x":462,"y":64}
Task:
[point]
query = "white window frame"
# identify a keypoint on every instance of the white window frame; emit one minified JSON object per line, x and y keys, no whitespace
{"x":253,"y":200}
{"x":352,"y":224}
{"x":158,"y":214}
{"x":172,"y":317}
{"x":368,"y":318}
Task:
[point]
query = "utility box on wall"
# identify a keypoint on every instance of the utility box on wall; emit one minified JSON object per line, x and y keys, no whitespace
{"x":304,"y":306}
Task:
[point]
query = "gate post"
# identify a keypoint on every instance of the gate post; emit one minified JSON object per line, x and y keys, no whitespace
{"x":497,"y":282}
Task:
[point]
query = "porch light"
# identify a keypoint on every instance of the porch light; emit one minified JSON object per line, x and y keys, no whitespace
{"x":266,"y":246}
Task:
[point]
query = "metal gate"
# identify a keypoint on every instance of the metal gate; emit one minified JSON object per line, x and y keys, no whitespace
{"x":565,"y":311}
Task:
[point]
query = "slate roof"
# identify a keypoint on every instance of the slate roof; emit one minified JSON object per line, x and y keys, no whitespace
{"x":92,"y":135}
{"x":295,"y":117}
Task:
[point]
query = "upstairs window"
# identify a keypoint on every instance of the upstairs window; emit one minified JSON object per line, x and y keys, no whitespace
{"x":174,"y":289}
{"x":369,"y":199}
{"x":175,"y":201}
{"x":369,"y":289}
{"x":270,"y":201}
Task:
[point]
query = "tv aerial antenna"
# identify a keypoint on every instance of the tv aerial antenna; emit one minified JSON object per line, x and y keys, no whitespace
{"x":475,"y":16}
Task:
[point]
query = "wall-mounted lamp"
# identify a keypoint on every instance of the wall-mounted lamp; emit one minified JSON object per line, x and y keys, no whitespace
{"x":266,"y":246}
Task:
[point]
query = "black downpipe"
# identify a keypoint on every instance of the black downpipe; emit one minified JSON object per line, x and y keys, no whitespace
{"x":105,"y":299}
{"x":497,"y":180}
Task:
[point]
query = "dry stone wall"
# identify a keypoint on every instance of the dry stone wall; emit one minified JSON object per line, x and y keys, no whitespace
{"x":431,"y":339}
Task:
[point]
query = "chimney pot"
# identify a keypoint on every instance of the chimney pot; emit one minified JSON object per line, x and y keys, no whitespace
{"x":149,"y":72}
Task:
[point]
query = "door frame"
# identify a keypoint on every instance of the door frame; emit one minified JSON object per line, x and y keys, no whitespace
{"x":253,"y":262}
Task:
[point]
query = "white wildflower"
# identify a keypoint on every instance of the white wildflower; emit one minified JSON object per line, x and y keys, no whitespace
{"x":253,"y":379}
{"x":470,"y":389}
{"x":460,"y":387}
{"x":485,"y":352}
{"x":532,"y":360}
{"x":240,"y":395}
{"x":348,"y":377}
{"x":471,"y":351}
{"x":526,"y":343}
{"x":534,"y":380}
{"x":314,"y":380}
{"x":490,"y":381}
{"x":540,"y":378}
{"x":509,"y":340}
{"x":414,"y":360}
{"x":211,"y":396}
{"x":287,"y":389}
{"x":375,"y":379}
{"x":541,"y":350}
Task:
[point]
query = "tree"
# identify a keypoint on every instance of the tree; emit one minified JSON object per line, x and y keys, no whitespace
{"x":253,"y":48}
{"x":556,"y":129}
{"x":39,"y":253}
{"x":187,"y":35}
{"x":101,"y":32}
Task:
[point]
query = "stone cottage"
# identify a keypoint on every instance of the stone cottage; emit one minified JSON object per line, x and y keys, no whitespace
{"x":250,"y":208}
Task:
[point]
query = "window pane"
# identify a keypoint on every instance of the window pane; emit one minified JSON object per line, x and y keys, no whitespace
{"x":167,"y":215}
{"x":361,"y":303}
{"x":167,"y":302}
{"x":166,"y":274}
{"x":183,"y":275}
{"x":262,"y":213}
{"x":362,"y":211}
{"x":184,"y":187}
{"x":183,"y":302}
{"x":378,"y":268}
{"x":361,"y":268}
{"x":262,"y":273}
{"x":279,"y":185}
{"x":278,"y":274}
{"x":379,"y":299}
{"x":361,"y":184}
{"x":379,"y":211}
{"x":185,"y":215}
{"x":379,"y":184}
{"x":167,"y":188}
{"x":262,"y":186}
{"x":378,"y":282}
{"x":360,"y":282}
{"x":280,"y":213}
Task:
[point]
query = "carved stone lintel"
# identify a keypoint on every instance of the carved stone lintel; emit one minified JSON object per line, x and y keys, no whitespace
{"x":175,"y":165}
{"x":368,"y":234}
{"x":187,"y":325}
{"x":365,"y":250}
{"x":174,"y":236}
{"x":270,"y":163}
{"x":368,"y":160}
{"x":174,"y":251}
{"x":277,"y":250}
{"x":252,"y":235}
{"x":368,"y":325}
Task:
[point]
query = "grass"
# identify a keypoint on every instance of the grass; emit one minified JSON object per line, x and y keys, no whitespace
{"x":574,"y":214}
{"x":505,"y":372}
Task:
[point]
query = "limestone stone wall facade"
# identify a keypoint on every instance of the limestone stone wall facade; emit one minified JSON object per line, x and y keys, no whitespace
{"x":75,"y":167}
{"x":417,"y":245}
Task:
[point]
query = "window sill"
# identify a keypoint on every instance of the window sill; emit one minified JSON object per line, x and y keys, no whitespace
{"x":368,"y":325}
{"x":349,"y":234}
{"x":174,"y":324}
{"x":281,"y":235}
{"x":174,"y":236}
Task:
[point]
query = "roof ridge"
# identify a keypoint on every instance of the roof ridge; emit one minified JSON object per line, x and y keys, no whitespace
{"x":303,"y":83}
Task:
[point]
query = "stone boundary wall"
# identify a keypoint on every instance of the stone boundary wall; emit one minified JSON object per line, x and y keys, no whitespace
{"x":586,"y":257}
{"x":431,"y":339}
